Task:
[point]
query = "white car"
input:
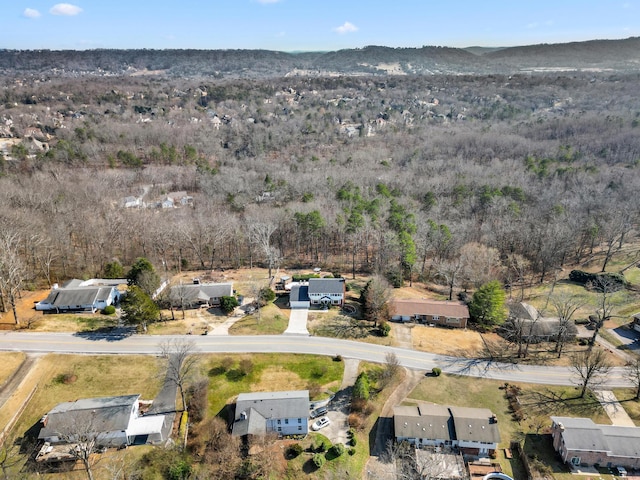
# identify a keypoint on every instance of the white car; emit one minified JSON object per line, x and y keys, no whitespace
{"x":318,"y":424}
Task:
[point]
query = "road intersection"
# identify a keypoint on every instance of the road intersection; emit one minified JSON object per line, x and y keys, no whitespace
{"x":123,"y":343}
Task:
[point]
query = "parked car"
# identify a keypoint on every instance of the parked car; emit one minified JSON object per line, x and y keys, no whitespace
{"x":319,"y":424}
{"x":620,"y":471}
{"x":318,"y":412}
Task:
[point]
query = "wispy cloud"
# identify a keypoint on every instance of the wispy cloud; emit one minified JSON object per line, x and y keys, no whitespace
{"x":31,"y":13}
{"x":66,"y":9}
{"x":266,"y":2}
{"x":346,"y":27}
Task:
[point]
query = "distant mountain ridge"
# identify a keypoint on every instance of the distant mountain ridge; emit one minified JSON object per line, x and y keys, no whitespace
{"x":594,"y":55}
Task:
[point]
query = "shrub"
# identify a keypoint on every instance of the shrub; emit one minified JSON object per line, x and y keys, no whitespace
{"x":337,"y":358}
{"x":436,"y":371}
{"x":355,"y":421}
{"x":384,"y":329}
{"x":354,"y":441}
{"x":266,"y":295}
{"x":394,"y":278}
{"x":597,"y":280}
{"x":294,"y":450}
{"x":109,"y":310}
{"x":361,"y":389}
{"x":246,"y":366}
{"x":352,"y":451}
{"x":318,"y":460}
{"x":337,"y":449}
{"x":228,"y":304}
{"x":180,"y":470}
{"x":315,"y":389}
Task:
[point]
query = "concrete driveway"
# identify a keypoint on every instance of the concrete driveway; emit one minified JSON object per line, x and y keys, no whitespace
{"x":298,"y":322}
{"x":614,"y":410}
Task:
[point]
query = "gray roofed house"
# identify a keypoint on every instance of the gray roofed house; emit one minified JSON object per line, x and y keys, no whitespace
{"x":194,"y":295}
{"x":284,"y":413}
{"x":115,"y":421}
{"x":580,"y":441}
{"x":80,"y":296}
{"x":525,"y":321}
{"x":472,"y":430}
{"x":327,"y":291}
{"x":299,"y":297}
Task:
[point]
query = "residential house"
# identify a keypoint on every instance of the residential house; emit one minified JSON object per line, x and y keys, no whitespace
{"x":82,"y":296}
{"x":327,"y":291}
{"x":283,"y":413}
{"x":473,"y":431}
{"x":180,"y":198}
{"x":299,"y":296}
{"x":132,"y":202}
{"x":113,"y":421}
{"x":199,"y":294}
{"x":436,"y":312}
{"x":580,"y":441}
{"x":526,"y":322}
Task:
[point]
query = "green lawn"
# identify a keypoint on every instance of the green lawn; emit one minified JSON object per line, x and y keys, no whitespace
{"x":268,"y":372}
{"x":271,"y":324}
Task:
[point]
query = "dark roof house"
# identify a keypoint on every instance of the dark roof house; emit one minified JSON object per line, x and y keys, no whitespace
{"x":327,"y":291}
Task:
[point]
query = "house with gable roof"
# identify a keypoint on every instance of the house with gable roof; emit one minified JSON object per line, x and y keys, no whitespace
{"x":114,"y":421}
{"x":81,"y":296}
{"x":199,"y":294}
{"x":474,"y":431}
{"x":283,"y":413}
{"x":327,"y":291}
{"x":444,"y":313}
{"x":580,"y":441}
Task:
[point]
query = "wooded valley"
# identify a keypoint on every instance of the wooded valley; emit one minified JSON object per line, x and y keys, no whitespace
{"x":450,"y":178}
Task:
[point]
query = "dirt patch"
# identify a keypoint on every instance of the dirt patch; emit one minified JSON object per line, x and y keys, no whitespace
{"x":25,"y":307}
{"x":446,"y":341}
{"x":276,"y":378}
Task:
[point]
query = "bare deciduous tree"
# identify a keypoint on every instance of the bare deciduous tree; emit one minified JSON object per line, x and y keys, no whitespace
{"x":565,"y":305}
{"x":633,"y":374}
{"x":181,"y":363}
{"x":12,"y":272}
{"x":590,"y":368}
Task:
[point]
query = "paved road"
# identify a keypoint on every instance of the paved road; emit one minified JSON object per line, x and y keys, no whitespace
{"x":149,"y":344}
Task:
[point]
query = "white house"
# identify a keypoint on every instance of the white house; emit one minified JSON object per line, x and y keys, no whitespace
{"x":636,"y":322}
{"x":327,"y":291}
{"x":81,"y":296}
{"x":114,"y":421}
{"x":474,"y":431}
{"x":283,"y":413}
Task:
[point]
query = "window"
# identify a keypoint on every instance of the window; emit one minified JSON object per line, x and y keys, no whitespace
{"x":299,"y":420}
{"x":435,"y":318}
{"x":286,"y":421}
{"x":279,"y":429}
{"x":575,"y":460}
{"x":279,"y":421}
{"x":299,"y":428}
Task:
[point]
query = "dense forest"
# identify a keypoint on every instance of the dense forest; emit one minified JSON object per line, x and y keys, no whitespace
{"x":448,"y":178}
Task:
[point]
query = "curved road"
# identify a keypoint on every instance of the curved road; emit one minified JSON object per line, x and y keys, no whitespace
{"x":149,"y":345}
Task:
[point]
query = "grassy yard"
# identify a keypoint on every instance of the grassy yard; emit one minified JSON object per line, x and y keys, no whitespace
{"x":10,"y":362}
{"x":333,"y":324}
{"x":229,"y":376}
{"x":272,"y":321}
{"x":538,"y":403}
{"x":64,"y":378}
{"x":70,"y":322}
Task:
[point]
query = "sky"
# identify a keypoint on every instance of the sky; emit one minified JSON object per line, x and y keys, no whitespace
{"x":310,"y":25}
